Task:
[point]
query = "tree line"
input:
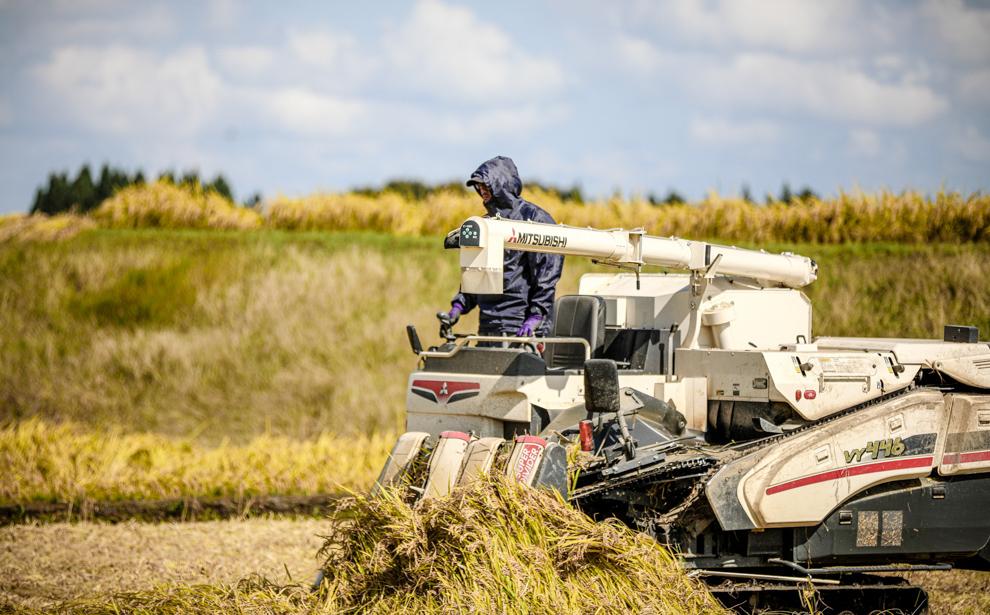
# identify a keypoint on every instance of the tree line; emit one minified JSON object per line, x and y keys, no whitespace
{"x":83,"y":193}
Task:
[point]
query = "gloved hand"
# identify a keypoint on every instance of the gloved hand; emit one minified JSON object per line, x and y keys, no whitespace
{"x":529,"y":326}
{"x":451,"y":317}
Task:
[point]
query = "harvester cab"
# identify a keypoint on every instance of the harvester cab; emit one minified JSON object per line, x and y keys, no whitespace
{"x":701,"y":409}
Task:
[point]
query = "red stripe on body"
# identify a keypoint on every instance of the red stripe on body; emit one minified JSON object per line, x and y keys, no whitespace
{"x":970,"y":457}
{"x":868,"y":468}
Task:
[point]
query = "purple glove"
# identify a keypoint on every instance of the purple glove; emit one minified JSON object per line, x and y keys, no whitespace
{"x":456,"y":309}
{"x":529,"y":326}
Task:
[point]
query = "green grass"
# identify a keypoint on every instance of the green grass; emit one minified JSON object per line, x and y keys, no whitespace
{"x":228,"y":335}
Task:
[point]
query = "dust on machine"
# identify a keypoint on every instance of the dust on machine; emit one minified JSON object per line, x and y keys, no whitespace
{"x":709,"y":415}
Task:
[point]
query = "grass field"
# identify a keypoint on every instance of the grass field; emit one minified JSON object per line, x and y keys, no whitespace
{"x":159,"y":363}
{"x":229,"y":363}
{"x":231,"y":335}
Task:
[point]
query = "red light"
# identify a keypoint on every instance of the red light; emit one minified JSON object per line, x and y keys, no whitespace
{"x":797,"y":395}
{"x":587,"y":440}
{"x":809,"y":394}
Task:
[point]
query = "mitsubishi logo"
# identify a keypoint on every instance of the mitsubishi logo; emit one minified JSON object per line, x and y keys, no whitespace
{"x":442,"y":392}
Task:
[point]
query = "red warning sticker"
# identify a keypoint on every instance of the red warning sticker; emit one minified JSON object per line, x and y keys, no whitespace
{"x":529,"y":458}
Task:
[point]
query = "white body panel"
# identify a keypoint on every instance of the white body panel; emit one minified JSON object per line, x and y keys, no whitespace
{"x":479,"y":459}
{"x":967,"y":446}
{"x":445,"y":464}
{"x":405,"y":450}
{"x":802,"y":479}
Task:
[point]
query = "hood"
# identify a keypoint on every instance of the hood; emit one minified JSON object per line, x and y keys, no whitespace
{"x":502,"y":178}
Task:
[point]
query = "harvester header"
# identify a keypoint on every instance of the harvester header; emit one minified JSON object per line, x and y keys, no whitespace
{"x":482,"y":241}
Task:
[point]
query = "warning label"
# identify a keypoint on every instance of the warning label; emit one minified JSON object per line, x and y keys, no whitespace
{"x":846,"y":365}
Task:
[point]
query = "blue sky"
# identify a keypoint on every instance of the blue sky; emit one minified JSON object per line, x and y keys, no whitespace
{"x":632,"y":96}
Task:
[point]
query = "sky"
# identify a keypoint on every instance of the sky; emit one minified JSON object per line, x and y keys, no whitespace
{"x":628,"y":96}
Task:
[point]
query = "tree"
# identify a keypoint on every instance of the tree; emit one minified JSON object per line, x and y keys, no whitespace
{"x":786,"y":196}
{"x":221,"y":187}
{"x":746,"y":194}
{"x":83,"y":195}
{"x":673,"y":198}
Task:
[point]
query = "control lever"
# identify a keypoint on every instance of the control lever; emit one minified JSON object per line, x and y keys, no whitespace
{"x":446,"y":327}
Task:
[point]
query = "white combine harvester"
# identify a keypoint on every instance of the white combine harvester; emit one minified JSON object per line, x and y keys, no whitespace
{"x":714,"y":420}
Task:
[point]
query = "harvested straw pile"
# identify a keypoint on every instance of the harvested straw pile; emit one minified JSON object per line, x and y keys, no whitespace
{"x":498,"y":548}
{"x":491,"y":548}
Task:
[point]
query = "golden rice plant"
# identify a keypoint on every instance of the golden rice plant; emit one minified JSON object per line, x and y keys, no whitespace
{"x":39,"y":227}
{"x":66,"y":463}
{"x":163,"y":204}
{"x":908,"y":217}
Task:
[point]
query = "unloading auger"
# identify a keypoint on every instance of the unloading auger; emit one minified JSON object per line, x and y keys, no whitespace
{"x":711,"y":418}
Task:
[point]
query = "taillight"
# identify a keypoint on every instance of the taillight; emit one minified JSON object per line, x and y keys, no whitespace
{"x":587,"y":439}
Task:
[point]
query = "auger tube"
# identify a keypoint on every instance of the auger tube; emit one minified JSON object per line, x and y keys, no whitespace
{"x":483,"y":240}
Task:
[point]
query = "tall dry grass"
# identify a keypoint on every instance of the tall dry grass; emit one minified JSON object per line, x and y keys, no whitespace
{"x":226,"y":335}
{"x":908,"y":217}
{"x":850,"y":217}
{"x":163,"y":204}
{"x":74,"y":465}
{"x":18,"y":227}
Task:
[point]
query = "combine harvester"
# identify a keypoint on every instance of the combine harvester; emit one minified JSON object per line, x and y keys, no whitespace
{"x":711,"y":419}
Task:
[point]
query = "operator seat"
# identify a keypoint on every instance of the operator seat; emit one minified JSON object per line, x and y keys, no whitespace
{"x":576,"y":316}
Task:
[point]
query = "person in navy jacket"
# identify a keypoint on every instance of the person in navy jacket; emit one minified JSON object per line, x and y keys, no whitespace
{"x":525,"y":307}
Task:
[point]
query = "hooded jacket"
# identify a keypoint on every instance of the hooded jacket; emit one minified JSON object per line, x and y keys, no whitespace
{"x":529,"y":278}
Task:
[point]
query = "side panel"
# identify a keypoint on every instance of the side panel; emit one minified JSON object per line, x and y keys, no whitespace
{"x":799,"y":481}
{"x":926,"y":521}
{"x":967,"y":444}
{"x":819,"y":384}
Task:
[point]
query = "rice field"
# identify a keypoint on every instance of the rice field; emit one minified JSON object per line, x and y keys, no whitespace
{"x":217,"y":335}
{"x":849,"y":217}
{"x":69,"y":464}
{"x":159,"y":350}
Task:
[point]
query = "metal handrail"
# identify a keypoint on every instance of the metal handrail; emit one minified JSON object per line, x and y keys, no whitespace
{"x":463,"y":341}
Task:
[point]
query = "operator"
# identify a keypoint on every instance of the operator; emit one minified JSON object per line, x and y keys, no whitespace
{"x":525,"y":307}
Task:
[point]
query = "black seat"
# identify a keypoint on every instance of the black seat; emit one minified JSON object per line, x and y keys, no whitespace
{"x":576,"y":316}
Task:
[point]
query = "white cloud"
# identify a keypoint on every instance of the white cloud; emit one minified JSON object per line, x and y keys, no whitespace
{"x":864,"y":142}
{"x":975,"y":87}
{"x":148,"y":21}
{"x":246,"y":60}
{"x":451,"y":53}
{"x":777,"y":83}
{"x":308,"y":112}
{"x":473,"y":126}
{"x":972,"y":144}
{"x":788,"y":25}
{"x":825,"y":89}
{"x":127,"y":90}
{"x":963,"y":29}
{"x":223,"y":13}
{"x":640,"y":54}
{"x":322,"y":48}
{"x":733,"y":132}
